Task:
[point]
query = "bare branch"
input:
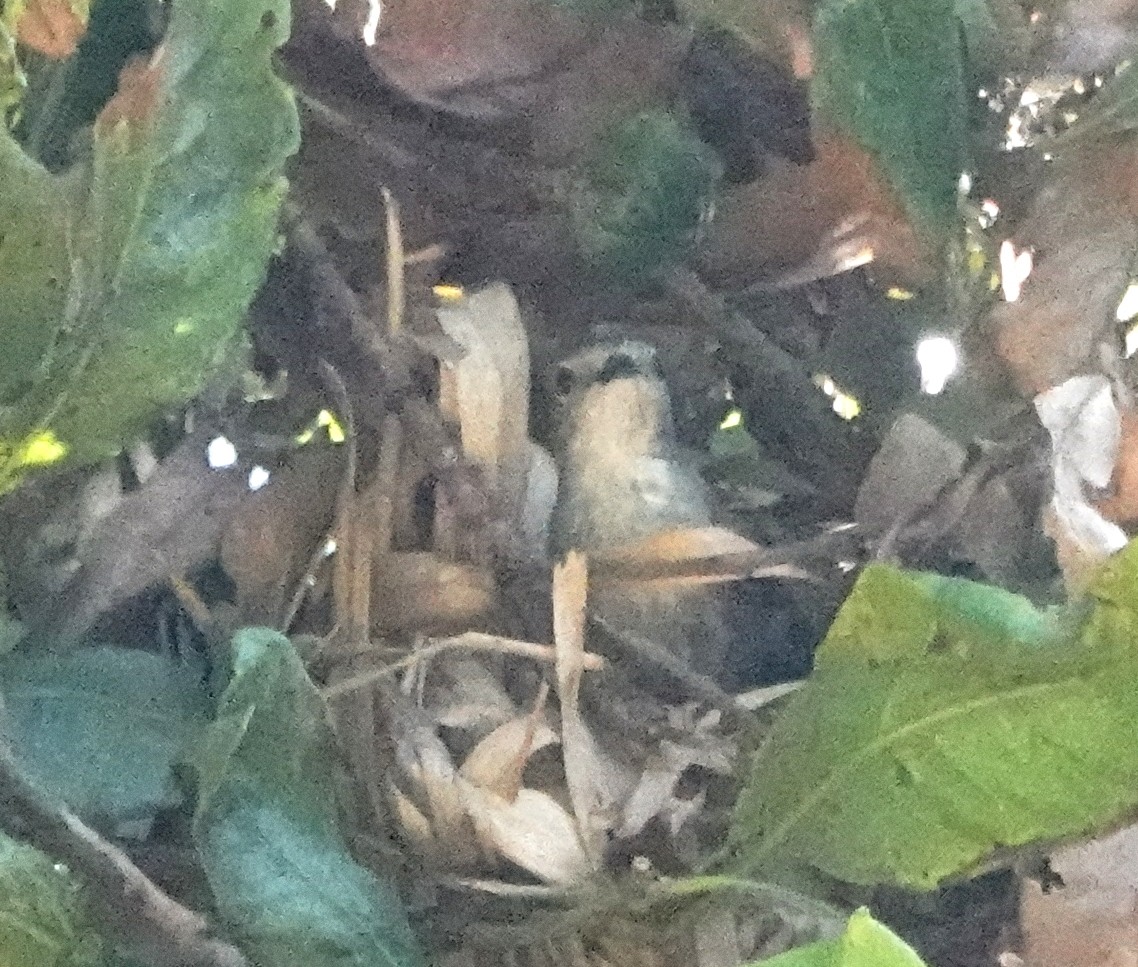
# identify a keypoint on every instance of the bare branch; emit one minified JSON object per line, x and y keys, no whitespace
{"x":142,"y":920}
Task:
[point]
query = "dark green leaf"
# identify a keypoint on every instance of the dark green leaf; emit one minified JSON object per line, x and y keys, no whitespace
{"x":101,"y":727}
{"x":936,"y":729}
{"x":641,"y":195}
{"x":167,"y":238}
{"x":890,"y":73}
{"x":267,"y":824}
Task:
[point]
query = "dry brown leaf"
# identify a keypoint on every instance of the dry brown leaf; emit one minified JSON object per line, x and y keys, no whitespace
{"x":800,"y":223}
{"x":1122,"y":506}
{"x":272,"y":537}
{"x":1084,"y":232}
{"x":585,"y":771}
{"x":631,"y":67}
{"x":1092,"y":920}
{"x":434,"y":49}
{"x":417,"y":591}
{"x":52,"y":27}
{"x":685,"y":557}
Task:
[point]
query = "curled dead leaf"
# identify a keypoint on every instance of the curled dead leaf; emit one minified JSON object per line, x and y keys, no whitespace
{"x":497,"y":762}
{"x":806,"y":222}
{"x":533,"y":831}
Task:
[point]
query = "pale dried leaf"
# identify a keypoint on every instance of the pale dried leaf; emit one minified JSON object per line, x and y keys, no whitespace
{"x":533,"y":832}
{"x":1085,"y":429}
{"x":487,"y":392}
{"x":497,"y":762}
{"x":583,"y":770}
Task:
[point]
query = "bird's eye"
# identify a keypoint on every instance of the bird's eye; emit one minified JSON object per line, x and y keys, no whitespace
{"x":563,"y":381}
{"x":618,"y":366}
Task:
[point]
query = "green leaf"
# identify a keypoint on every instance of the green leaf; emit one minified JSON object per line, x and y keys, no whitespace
{"x":43,"y":919}
{"x":102,"y":727}
{"x":267,"y":824}
{"x":908,"y":758}
{"x":168,"y":236}
{"x":866,"y":943}
{"x":641,"y":195}
{"x":890,"y":73}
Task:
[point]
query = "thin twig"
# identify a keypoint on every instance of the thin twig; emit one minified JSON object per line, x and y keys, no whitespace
{"x":470,"y":641}
{"x":142,"y":920}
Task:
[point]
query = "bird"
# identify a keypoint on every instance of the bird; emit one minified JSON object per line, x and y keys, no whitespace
{"x":624,"y":480}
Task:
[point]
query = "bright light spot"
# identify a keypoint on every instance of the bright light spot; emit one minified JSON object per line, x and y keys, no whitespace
{"x":1015,"y":267}
{"x":732,"y":420}
{"x":938,"y":359}
{"x":305,"y":436}
{"x":183,"y":327}
{"x":843,"y":404}
{"x":371,"y":28}
{"x":220,"y":453}
{"x":964,"y":185}
{"x":336,"y":432}
{"x":448,"y":293}
{"x":1036,"y":16}
{"x":846,"y":566}
{"x":258,"y":477}
{"x":1128,"y":306}
{"x":1029,"y":97}
{"x":846,"y":406}
{"x":900,"y":295}
{"x":1078,"y":86}
{"x":331,"y":4}
{"x":43,"y":449}
{"x":982,"y":94}
{"x":330,"y":547}
{"x":1131,"y":341}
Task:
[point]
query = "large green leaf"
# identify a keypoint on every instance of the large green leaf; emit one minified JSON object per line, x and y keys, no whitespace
{"x":166,"y":236}
{"x":866,"y":943}
{"x":43,"y":917}
{"x":890,"y":73}
{"x":101,"y":727}
{"x":935,"y":731}
{"x":267,"y":824}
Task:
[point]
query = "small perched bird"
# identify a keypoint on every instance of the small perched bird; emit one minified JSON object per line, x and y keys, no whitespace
{"x":623,"y":481}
